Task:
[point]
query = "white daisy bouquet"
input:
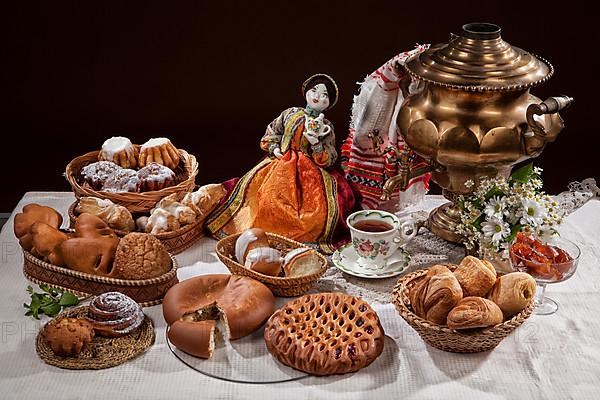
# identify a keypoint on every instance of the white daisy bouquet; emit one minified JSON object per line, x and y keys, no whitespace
{"x":499,"y":208}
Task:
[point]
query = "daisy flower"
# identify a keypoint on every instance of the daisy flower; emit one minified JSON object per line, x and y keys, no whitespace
{"x":532,"y":212}
{"x":495,"y":207}
{"x":495,"y":229}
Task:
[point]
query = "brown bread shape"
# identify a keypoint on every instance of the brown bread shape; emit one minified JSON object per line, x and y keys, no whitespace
{"x":325,"y":334}
{"x":68,"y":336}
{"x":93,"y":248}
{"x":31,"y":214}
{"x":46,"y":242}
{"x":245,"y":303}
{"x":435,"y":294}
{"x":141,"y":256}
{"x":474,"y":312}
{"x":513,"y":292}
{"x":476,"y":277}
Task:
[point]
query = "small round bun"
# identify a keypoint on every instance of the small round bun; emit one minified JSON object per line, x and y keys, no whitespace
{"x":250,"y":239}
{"x":264,"y":260}
{"x":68,"y":336}
{"x":141,"y":256}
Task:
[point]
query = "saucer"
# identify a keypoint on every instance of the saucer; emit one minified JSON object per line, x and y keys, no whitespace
{"x":345,"y":259}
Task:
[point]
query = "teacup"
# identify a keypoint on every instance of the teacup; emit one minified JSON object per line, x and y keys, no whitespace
{"x":376,"y":235}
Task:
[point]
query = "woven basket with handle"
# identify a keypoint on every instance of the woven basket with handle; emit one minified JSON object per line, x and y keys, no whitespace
{"x":175,"y":242}
{"x":444,"y":338}
{"x":280,"y":286}
{"x":141,"y":202}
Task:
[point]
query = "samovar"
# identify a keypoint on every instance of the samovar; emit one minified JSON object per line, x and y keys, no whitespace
{"x":475,"y":116}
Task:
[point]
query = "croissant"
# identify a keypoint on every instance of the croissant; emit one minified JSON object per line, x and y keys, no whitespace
{"x":115,"y":215}
{"x":435,"y":294}
{"x":161,"y":151}
{"x":513,"y":292}
{"x":476,"y":277}
{"x":474,"y":312}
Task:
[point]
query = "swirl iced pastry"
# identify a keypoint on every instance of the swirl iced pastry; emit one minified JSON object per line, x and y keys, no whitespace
{"x":114,"y":314}
{"x":115,"y":215}
{"x":474,"y":312}
{"x":168,"y":215}
{"x":476,"y":277}
{"x":197,"y":308}
{"x":161,"y":151}
{"x":31,"y":214}
{"x":435,"y":294}
{"x":120,"y":151}
{"x":513,"y":292}
{"x":155,"y":177}
{"x":141,"y":256}
{"x":204,"y":200}
{"x":325,"y":333}
{"x":67,"y":337}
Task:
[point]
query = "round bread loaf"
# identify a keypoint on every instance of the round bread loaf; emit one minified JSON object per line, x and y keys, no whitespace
{"x":141,"y":256}
{"x":245,"y":303}
{"x":325,"y":333}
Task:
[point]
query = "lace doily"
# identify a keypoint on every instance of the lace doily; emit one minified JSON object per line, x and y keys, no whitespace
{"x":426,"y":249}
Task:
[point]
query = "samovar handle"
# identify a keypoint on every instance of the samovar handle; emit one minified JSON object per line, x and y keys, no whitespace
{"x":551,"y":105}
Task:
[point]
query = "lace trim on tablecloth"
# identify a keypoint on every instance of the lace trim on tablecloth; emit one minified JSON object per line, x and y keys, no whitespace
{"x":426,"y":249}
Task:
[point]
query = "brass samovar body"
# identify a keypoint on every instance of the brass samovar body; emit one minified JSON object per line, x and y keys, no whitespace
{"x":475,"y":116}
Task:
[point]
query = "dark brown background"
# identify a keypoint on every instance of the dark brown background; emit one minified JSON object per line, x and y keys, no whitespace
{"x":212,"y":75}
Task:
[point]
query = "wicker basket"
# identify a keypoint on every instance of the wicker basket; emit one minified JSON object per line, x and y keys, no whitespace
{"x":175,"y":242}
{"x":285,"y":287}
{"x":134,"y":202}
{"x":444,"y":338}
{"x":147,"y":292}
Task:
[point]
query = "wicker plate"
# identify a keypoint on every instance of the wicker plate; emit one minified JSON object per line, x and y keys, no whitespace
{"x":135,"y":202}
{"x":286,"y":287}
{"x":147,"y":292}
{"x":444,"y":338}
{"x":175,"y":242}
{"x":101,"y":352}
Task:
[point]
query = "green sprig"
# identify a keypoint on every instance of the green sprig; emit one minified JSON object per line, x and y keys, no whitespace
{"x":51,"y":302}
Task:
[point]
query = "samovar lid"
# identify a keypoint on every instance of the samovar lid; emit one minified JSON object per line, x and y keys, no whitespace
{"x":479,"y":60}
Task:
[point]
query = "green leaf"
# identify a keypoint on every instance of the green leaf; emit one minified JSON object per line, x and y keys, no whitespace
{"x":67,"y":300}
{"x":495,"y":191}
{"x":522,"y":174}
{"x":29,"y":289}
{"x":35,"y":308}
{"x":51,"y":309}
{"x":513,"y":232}
{"x":478,"y":221}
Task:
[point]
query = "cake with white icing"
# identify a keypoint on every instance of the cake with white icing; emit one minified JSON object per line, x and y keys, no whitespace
{"x":120,"y":151}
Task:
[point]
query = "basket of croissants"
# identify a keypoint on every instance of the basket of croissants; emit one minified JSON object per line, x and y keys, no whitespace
{"x":134,"y":176}
{"x":464,"y":308}
{"x":91,"y":258}
{"x":285,"y":266}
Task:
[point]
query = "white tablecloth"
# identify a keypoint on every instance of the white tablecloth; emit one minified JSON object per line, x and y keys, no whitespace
{"x":555,"y":356}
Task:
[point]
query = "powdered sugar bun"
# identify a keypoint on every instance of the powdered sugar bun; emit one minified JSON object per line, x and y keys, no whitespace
{"x":114,"y":314}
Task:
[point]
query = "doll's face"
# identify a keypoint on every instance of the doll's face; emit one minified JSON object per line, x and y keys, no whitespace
{"x":317,"y":97}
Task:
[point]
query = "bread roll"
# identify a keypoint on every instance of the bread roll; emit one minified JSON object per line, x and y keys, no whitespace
{"x":204,"y":200}
{"x":301,"y":262}
{"x":248,"y":240}
{"x":116,"y":216}
{"x":46,"y":242}
{"x":31,"y":214}
{"x":513,"y":292}
{"x":264,"y":260}
{"x":474,"y":312}
{"x":476,"y":277}
{"x":435,"y":294}
{"x":141,"y":256}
